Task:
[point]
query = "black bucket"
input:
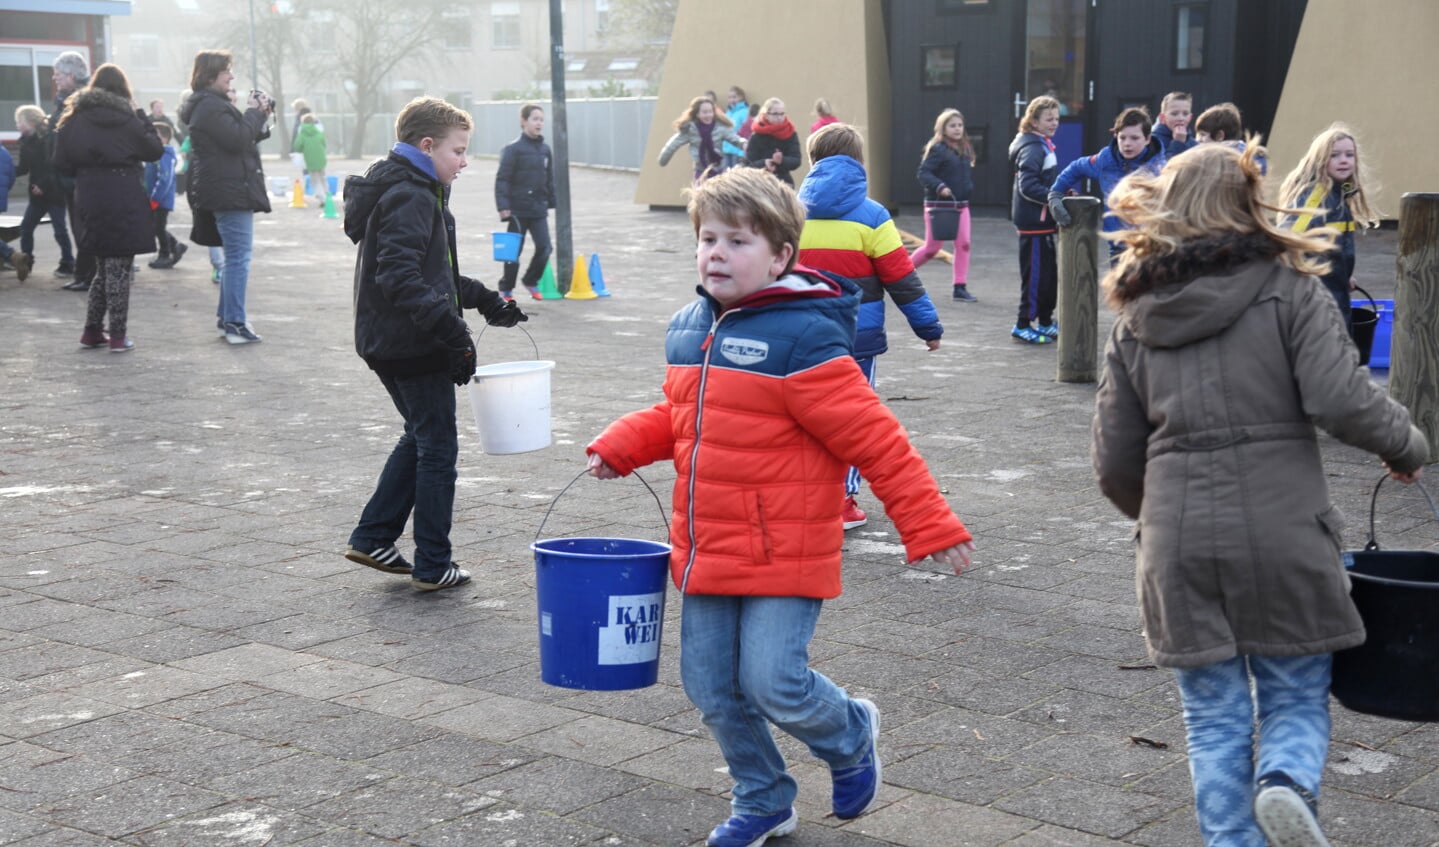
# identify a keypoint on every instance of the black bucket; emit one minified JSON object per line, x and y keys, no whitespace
{"x":943,"y":219}
{"x":1395,"y":672}
{"x":1363,"y":322}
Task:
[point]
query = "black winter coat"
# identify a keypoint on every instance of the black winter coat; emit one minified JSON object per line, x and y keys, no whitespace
{"x":1035,"y":167}
{"x":102,"y":143}
{"x":761,"y":148}
{"x":37,"y":150}
{"x":408,"y":289}
{"x":946,"y":167}
{"x":525,"y":181}
{"x":225,"y":172}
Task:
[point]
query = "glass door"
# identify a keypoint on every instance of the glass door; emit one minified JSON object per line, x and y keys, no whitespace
{"x":1056,"y":40}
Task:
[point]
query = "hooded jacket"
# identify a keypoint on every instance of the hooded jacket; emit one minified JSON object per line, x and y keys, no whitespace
{"x":1168,"y":144}
{"x":311,"y":145}
{"x":764,"y":410}
{"x":1218,"y":370}
{"x":737,"y":115}
{"x":849,"y":234}
{"x":408,"y":288}
{"x":1108,"y":167}
{"x":102,"y":144}
{"x":160,"y":180}
{"x":1033,"y":161}
{"x":225,"y":172}
{"x":525,"y":179}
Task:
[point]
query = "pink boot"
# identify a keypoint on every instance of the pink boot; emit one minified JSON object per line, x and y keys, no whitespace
{"x":93,"y":338}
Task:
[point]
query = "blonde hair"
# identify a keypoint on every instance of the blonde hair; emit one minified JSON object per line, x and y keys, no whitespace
{"x":1212,"y":190}
{"x":1313,"y":172}
{"x":966,"y":149}
{"x":1031,"y":112}
{"x":753,"y":198}
{"x":430,"y":117}
{"x":1175,"y":95}
{"x":691,"y":113}
{"x":32,"y":115}
{"x":766,"y":106}
{"x":836,"y":140}
{"x":822,"y":108}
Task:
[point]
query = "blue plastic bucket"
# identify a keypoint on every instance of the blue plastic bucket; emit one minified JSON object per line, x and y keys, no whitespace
{"x":1383,"y":332}
{"x":507,"y":246}
{"x":601,"y":605}
{"x":333,"y":183}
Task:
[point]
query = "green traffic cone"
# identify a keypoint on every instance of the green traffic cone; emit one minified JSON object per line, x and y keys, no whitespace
{"x":548,"y":289}
{"x":330,"y":211}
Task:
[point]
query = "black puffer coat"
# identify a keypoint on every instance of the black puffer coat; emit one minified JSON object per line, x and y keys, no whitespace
{"x":102,"y":143}
{"x":525,"y":180}
{"x":36,"y":152}
{"x":225,"y":173}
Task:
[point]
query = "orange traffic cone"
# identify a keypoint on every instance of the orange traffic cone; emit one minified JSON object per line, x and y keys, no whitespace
{"x":297,"y":196}
{"x":580,"y":283}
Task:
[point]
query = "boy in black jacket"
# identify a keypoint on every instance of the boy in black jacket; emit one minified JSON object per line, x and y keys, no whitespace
{"x":524,"y":195}
{"x":408,"y":328}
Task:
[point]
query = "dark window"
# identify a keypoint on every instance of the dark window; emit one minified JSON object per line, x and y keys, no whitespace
{"x":954,"y":7}
{"x":1191,"y":23}
{"x":938,"y":66}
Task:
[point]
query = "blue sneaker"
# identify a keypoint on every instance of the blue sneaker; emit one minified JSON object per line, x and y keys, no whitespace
{"x":856,"y":787}
{"x":1287,"y":813}
{"x":1050,"y":331}
{"x":1030,"y":335}
{"x":752,"y":830}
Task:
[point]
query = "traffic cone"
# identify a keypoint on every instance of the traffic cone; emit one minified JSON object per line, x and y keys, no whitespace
{"x":548,"y":289}
{"x":597,"y":277}
{"x":580,"y":284}
{"x":297,"y":196}
{"x":330,"y":211}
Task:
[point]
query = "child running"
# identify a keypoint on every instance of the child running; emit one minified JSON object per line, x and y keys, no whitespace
{"x":764,"y":356}
{"x":849,"y":234}
{"x":1226,"y":356}
{"x":1032,"y":159}
{"x":705,"y":131}
{"x":1329,"y":186}
{"x":946,"y":172}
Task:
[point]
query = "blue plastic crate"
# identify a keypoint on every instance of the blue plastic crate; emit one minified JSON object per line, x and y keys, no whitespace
{"x":1383,"y":332}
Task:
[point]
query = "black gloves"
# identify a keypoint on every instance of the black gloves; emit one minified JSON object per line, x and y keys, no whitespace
{"x":507,"y":313}
{"x":462,"y":362}
{"x":1056,"y":208}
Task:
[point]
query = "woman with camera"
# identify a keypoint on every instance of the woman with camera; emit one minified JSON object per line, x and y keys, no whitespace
{"x":226,"y":185}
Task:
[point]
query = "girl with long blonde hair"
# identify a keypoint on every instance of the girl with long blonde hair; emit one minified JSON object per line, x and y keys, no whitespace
{"x":945,"y":171}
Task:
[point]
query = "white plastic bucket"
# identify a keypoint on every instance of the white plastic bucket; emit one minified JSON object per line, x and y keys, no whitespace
{"x":511,"y":404}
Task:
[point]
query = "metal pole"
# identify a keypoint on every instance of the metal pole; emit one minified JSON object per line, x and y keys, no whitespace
{"x":560,"y":147}
{"x":254,"y":61}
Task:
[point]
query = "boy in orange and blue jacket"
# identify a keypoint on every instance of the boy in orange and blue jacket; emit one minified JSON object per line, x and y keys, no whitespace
{"x":764,"y":407}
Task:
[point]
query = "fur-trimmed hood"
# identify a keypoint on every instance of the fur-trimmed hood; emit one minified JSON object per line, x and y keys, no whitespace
{"x":1196,"y":292}
{"x":109,"y":109}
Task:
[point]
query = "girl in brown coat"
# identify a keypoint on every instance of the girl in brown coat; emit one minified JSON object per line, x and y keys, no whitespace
{"x":1226,"y":355}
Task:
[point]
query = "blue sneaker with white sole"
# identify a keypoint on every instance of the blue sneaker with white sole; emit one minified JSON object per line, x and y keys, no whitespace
{"x":752,"y":830}
{"x":856,"y":787}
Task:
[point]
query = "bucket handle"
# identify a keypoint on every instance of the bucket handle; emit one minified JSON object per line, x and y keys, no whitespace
{"x":1374,"y":499}
{"x":518,"y":327}
{"x":1372,"y":305}
{"x":635,"y":474}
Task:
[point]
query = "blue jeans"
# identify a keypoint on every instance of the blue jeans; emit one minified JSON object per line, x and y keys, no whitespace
{"x":237,"y":232}
{"x":1291,"y":698}
{"x":419,"y":476}
{"x":851,"y":477}
{"x":745,"y":665}
{"x":33,"y":213}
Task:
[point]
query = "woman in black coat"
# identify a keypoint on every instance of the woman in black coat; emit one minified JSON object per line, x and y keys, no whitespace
{"x":773,"y":145}
{"x":226,"y":186}
{"x":102,"y":141}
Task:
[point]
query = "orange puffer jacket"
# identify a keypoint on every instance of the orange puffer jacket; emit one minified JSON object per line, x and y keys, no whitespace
{"x":764,"y":409}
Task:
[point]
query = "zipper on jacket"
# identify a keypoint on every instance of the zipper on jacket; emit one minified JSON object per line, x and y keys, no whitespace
{"x":706,"y":346}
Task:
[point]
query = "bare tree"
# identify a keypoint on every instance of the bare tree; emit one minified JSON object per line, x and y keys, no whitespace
{"x":372,"y":38}
{"x":278,"y":36}
{"x":638,"y":23}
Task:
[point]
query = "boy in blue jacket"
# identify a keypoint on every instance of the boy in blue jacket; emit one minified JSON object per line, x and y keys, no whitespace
{"x":524,"y":195}
{"x":409,"y":293}
{"x":1176,"y":111}
{"x":1132,"y":149}
{"x":160,"y":185}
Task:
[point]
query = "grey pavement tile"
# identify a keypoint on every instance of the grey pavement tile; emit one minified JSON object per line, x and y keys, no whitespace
{"x":556,"y":786}
{"x":247,"y":662}
{"x":1100,"y":676}
{"x":240,"y":823}
{"x":1080,"y":711}
{"x":375,"y":647}
{"x":299,"y":631}
{"x":49,"y":711}
{"x":1111,"y":759}
{"x":36,"y":777}
{"x":1424,"y":793}
{"x":147,"y":686}
{"x":70,"y":678}
{"x":694,"y":763}
{"x":1098,"y":641}
{"x":458,"y":663}
{"x":94,"y":585}
{"x":657,"y":814}
{"x":599,"y":740}
{"x":504,"y":825}
{"x":644,"y":705}
{"x":884,"y":670}
{"x":328,"y":679}
{"x":397,"y":808}
{"x":127,"y":807}
{"x":43,"y":611}
{"x":313,"y":565}
{"x":1372,"y":773}
{"x":411,"y":697}
{"x":206,"y":759}
{"x":1180,"y":829}
{"x":99,"y":630}
{"x":922,"y":820}
{"x":295,"y":782}
{"x":1054,"y":836}
{"x":15,"y":826}
{"x":451,"y":759}
{"x":64,"y":836}
{"x":17,"y":640}
{"x":995,"y":656}
{"x":174,"y":643}
{"x":1086,"y":806}
{"x":982,"y":692}
{"x":501,"y":718}
{"x":117,"y":735}
{"x":1361,"y":822}
{"x":355,"y":734}
{"x":960,"y":774}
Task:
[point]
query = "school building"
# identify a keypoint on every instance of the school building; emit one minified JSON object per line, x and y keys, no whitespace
{"x":891,"y":66}
{"x":33,"y":33}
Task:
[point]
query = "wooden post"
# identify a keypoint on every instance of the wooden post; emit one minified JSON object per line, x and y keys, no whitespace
{"x":1414,"y":346}
{"x":1078,"y":250}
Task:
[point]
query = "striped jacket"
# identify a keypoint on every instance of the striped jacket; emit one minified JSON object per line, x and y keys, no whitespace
{"x":851,"y":235}
{"x":764,"y":410}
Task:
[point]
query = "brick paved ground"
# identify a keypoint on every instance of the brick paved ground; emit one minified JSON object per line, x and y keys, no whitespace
{"x":185,"y":659}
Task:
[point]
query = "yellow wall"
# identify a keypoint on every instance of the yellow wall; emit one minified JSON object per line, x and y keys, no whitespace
{"x":796,"y":50}
{"x":1372,"y":66}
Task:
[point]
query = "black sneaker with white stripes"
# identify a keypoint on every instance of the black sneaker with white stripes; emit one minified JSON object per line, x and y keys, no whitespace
{"x":453,"y":577}
{"x":387,"y":559}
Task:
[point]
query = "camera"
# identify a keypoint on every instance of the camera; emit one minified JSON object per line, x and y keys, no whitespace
{"x":266,"y":102}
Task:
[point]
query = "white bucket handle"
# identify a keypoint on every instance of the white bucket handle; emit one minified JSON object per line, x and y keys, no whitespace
{"x":635,"y":474}
{"x":518,"y":327}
